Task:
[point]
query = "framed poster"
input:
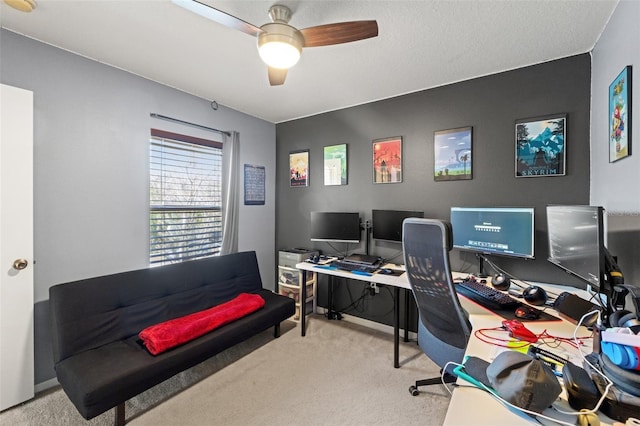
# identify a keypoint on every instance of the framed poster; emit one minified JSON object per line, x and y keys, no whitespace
{"x":541,"y":146}
{"x":620,"y":116}
{"x":387,"y":160}
{"x":453,"y":154}
{"x":335,"y":164}
{"x":254,"y":178}
{"x":299,"y":168}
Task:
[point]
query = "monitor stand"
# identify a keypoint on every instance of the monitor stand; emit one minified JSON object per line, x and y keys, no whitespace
{"x":481,"y":273}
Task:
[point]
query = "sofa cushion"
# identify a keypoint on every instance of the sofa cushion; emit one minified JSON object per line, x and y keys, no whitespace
{"x":91,"y":313}
{"x":101,"y":378}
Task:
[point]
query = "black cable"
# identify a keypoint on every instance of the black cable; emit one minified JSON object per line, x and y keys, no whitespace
{"x":466,"y":264}
{"x":335,"y":250}
{"x":513,"y":277}
{"x":354,"y":303}
{"x":389,"y":259}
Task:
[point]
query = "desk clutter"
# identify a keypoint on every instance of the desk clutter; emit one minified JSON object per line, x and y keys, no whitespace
{"x":531,"y":369}
{"x":357,"y":263}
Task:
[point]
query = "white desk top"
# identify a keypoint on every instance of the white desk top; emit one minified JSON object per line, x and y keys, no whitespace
{"x":378,"y":278}
{"x":471,"y":406}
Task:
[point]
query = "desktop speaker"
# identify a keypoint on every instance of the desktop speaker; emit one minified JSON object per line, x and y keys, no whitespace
{"x":535,"y":295}
{"x":501,"y":282}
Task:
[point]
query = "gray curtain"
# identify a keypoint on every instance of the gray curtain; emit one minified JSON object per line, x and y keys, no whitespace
{"x":230,"y":170}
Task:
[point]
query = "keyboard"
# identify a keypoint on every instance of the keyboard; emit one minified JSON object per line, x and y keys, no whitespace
{"x":487,"y":296}
{"x":353,"y":266}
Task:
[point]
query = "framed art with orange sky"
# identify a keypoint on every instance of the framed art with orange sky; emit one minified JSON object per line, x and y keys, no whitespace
{"x":299,"y":168}
{"x":387,"y":160}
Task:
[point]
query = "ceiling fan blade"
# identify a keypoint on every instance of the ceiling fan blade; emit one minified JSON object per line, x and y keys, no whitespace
{"x":342,"y":32}
{"x":218,"y":16}
{"x":277,"y":76}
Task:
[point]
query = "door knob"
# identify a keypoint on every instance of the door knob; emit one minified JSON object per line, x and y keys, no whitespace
{"x":20,"y":264}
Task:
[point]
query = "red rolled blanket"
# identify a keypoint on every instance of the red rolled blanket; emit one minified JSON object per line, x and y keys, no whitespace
{"x":166,"y":335}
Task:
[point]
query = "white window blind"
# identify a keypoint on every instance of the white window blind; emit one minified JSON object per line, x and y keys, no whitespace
{"x":185,"y":194}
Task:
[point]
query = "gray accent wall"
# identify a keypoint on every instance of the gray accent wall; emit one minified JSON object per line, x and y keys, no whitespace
{"x":91,"y":149}
{"x":491,"y":105}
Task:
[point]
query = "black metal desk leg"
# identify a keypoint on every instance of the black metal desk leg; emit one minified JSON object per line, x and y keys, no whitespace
{"x":303,"y":304}
{"x":407,"y":294}
{"x":396,"y":328}
{"x":330,"y":299}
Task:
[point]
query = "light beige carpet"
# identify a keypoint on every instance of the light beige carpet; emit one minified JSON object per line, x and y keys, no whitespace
{"x":340,"y":373}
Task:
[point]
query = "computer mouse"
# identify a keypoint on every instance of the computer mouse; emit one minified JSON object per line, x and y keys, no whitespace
{"x":385,"y":271}
{"x":535,"y":295}
{"x":527,"y":312}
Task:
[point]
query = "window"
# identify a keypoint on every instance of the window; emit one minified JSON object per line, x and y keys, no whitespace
{"x":185,"y":194}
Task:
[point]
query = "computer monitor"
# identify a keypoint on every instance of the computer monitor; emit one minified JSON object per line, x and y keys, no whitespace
{"x":387,"y":224}
{"x":504,"y":231}
{"x":341,"y":227}
{"x":576,"y":242}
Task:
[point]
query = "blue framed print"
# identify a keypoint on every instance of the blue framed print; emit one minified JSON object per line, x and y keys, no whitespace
{"x":620,"y":116}
{"x":254,"y":181}
{"x":452,"y":153}
{"x":541,"y":146}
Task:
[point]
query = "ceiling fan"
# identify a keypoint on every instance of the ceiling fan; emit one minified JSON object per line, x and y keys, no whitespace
{"x":279,"y":44}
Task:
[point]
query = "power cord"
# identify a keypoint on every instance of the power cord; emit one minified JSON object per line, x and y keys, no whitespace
{"x":392,"y":258}
{"x":359,"y":304}
{"x":501,"y":400}
{"x":583,"y":415}
{"x":584,"y":359}
{"x":514,"y":279}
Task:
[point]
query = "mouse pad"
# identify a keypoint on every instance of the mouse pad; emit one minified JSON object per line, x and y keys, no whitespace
{"x":394,"y":272}
{"x":509,"y":315}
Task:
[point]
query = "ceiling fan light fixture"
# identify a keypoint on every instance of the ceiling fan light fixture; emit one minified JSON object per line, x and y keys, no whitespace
{"x":22,"y":5}
{"x":280,"y":45}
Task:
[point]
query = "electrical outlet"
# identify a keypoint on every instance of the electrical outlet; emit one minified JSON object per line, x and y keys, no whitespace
{"x":375,"y":288}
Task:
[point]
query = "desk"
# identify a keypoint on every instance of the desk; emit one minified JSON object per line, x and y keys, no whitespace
{"x":470,"y":406}
{"x":397,"y":282}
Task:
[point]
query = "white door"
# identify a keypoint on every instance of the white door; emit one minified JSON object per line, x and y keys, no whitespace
{"x":16,"y":246}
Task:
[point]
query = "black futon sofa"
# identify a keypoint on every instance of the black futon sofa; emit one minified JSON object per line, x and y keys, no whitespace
{"x":99,"y":359}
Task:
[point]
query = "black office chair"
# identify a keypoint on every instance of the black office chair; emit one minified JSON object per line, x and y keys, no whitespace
{"x":443,"y":325}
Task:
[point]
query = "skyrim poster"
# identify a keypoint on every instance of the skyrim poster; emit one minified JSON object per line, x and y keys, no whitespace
{"x":540,"y":146}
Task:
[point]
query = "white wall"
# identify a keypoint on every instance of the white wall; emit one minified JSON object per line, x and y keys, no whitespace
{"x":616,"y":186}
{"x":91,"y":161}
{"x":91,"y":149}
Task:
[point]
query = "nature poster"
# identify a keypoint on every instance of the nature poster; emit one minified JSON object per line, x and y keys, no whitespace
{"x":540,"y":146}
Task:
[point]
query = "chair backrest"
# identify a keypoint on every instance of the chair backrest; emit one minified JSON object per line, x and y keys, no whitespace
{"x":426,"y":244}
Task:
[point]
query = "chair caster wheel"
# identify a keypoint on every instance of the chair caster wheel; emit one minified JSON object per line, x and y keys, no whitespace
{"x":414,"y":391}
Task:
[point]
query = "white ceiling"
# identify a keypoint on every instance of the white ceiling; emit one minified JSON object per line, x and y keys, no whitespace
{"x":421,"y":44}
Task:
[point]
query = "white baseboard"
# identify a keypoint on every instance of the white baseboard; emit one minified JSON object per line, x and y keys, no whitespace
{"x":368,"y":323}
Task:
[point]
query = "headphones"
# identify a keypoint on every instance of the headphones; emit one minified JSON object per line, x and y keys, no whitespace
{"x":623,"y":318}
{"x":624,"y":379}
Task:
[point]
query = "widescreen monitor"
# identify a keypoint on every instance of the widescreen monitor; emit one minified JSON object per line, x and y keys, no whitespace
{"x":576,"y":241}
{"x":387,"y":224}
{"x":504,"y":231}
{"x":341,"y":227}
